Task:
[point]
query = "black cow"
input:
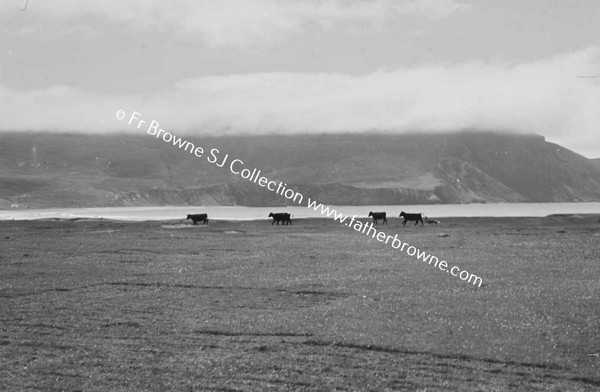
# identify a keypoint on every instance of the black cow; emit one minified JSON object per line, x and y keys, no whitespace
{"x":282,"y":217}
{"x":411,"y":217}
{"x":377,"y":216}
{"x":197,"y":218}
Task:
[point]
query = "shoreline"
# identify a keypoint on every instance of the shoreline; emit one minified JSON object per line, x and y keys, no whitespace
{"x":302,"y":219}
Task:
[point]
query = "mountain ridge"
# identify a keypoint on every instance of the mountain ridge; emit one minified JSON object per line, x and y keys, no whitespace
{"x":42,"y":170}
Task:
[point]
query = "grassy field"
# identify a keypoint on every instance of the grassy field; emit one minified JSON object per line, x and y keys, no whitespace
{"x":93,"y":305}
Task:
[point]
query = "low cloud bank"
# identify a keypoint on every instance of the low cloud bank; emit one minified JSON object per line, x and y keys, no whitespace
{"x":548,"y":97}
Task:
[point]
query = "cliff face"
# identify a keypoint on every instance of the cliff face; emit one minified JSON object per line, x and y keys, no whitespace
{"x":46,"y":170}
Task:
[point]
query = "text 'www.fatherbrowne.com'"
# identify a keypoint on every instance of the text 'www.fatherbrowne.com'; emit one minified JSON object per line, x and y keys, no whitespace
{"x":236,"y":166}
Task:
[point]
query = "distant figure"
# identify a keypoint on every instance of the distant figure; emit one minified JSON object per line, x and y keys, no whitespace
{"x":197,"y":218}
{"x":411,"y":217}
{"x":282,"y":217}
{"x":377,"y":216}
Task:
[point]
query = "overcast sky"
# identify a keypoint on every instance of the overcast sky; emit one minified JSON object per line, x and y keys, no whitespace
{"x":273,"y":66}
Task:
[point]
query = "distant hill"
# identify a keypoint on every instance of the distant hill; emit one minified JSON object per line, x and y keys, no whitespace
{"x":67,"y":170}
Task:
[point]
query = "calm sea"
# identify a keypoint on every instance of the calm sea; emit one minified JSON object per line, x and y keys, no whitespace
{"x":252,"y":213}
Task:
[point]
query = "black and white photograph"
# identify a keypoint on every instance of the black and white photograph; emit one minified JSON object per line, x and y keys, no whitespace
{"x":300,"y":195}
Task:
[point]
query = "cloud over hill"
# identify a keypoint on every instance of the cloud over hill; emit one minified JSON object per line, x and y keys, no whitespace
{"x":545,"y":97}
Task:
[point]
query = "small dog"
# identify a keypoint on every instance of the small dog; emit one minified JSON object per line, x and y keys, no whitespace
{"x":432,"y":221}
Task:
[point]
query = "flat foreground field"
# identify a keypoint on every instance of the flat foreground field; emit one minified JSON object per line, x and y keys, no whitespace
{"x":94,"y":305}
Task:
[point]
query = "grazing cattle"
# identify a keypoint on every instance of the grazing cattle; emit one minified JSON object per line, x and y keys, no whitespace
{"x":411,"y":217}
{"x":282,"y":217}
{"x":377,"y":216}
{"x":197,"y":218}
